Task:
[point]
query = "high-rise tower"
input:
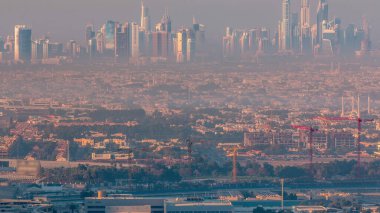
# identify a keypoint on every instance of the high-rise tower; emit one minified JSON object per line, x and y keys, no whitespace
{"x":284,"y":28}
{"x":322,"y":15}
{"x":23,"y":44}
{"x":90,"y":33}
{"x":1,"y":44}
{"x":181,"y":46}
{"x":167,"y":22}
{"x":137,"y":41}
{"x":305,"y":27}
{"x":305,"y":13}
{"x":145,"y":18}
{"x":109,"y":37}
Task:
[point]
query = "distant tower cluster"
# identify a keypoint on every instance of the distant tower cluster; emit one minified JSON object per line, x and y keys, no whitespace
{"x":128,"y":42}
{"x":300,"y":34}
{"x":243,"y":42}
{"x":139,"y":42}
{"x":188,"y":41}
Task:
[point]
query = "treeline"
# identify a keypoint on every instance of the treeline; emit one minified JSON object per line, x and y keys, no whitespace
{"x":101,"y":175}
{"x":156,"y":125}
{"x":39,"y":150}
{"x":202,"y":168}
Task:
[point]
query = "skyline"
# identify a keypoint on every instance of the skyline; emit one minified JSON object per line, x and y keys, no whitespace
{"x":176,"y":106}
{"x":182,"y":12}
{"x":135,"y":43}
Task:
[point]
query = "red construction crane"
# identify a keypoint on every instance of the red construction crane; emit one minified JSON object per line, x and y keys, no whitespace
{"x":310,"y":130}
{"x":233,"y":152}
{"x":359,"y":121}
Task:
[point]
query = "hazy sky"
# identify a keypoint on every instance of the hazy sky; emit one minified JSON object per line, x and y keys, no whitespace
{"x":65,"y":19}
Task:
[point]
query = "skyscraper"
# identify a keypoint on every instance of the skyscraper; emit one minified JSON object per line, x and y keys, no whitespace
{"x":137,"y":41}
{"x":89,"y":32}
{"x":305,"y":14}
{"x":322,"y":15}
{"x":109,"y":36}
{"x":305,"y":28}
{"x":52,"y":49}
{"x":23,"y":44}
{"x":181,"y":46}
{"x":91,"y":48}
{"x":165,"y":25}
{"x":228,"y":43}
{"x":1,"y":44}
{"x":160,"y":45}
{"x":167,"y":22}
{"x":9,"y":44}
{"x":122,"y":40}
{"x":190,"y":50}
{"x":37,"y":50}
{"x":295,"y":32}
{"x":244,"y":43}
{"x":366,"y":43}
{"x":199,"y":36}
{"x":284,"y":27}
{"x":100,"y":42}
{"x":145,"y":18}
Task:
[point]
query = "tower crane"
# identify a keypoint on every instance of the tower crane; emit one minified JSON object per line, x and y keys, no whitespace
{"x":359,"y":122}
{"x":310,"y":130}
{"x":234,"y":166}
{"x":233,"y":152}
{"x":189,"y":143}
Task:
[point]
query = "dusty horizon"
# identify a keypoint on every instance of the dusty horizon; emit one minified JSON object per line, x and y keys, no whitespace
{"x":65,"y":20}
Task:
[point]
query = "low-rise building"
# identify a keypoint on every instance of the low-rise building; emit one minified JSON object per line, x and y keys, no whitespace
{"x":112,"y":204}
{"x":198,"y":205}
{"x":84,"y":141}
{"x":24,"y":206}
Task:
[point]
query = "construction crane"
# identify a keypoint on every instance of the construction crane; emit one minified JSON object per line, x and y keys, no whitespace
{"x":310,"y":131}
{"x":233,"y":152}
{"x":189,"y":144}
{"x":234,"y":166}
{"x":359,"y":121}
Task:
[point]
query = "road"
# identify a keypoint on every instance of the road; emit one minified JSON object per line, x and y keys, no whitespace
{"x":275,"y":162}
{"x":301,"y":162}
{"x":65,"y":164}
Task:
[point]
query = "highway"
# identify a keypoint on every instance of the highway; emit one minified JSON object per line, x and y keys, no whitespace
{"x":59,"y":164}
{"x":316,"y":160}
{"x":274,"y":162}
